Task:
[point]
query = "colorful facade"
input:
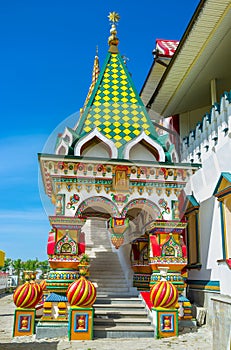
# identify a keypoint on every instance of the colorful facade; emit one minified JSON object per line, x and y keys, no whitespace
{"x":114,"y":164}
{"x":117,"y":165}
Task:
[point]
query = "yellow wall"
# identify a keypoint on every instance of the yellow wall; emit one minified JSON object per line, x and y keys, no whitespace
{"x":2,"y":258}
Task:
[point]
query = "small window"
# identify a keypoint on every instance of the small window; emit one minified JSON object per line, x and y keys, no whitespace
{"x":223,"y":194}
{"x":62,"y":150}
{"x":143,"y":151}
{"x":192,"y":232}
{"x":95,"y":148}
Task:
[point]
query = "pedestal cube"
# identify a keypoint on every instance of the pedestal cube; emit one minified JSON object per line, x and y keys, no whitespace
{"x":165,"y":322}
{"x":24,"y":322}
{"x":80,"y":324}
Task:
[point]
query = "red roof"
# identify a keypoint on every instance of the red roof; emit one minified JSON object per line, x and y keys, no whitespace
{"x":165,"y":48}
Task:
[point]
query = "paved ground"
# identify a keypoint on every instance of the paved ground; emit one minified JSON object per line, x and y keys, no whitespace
{"x":200,"y":340}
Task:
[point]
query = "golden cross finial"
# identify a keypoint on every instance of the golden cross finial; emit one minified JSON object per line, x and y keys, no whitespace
{"x":114,"y":17}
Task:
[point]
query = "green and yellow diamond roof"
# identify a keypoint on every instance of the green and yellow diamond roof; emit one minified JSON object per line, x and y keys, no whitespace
{"x":113,"y":105}
{"x":115,"y":108}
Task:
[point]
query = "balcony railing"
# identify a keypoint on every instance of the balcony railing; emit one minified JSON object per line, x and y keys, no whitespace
{"x":215,"y":129}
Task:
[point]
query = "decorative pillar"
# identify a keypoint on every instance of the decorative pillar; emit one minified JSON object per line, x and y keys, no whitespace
{"x":81,"y":295}
{"x":24,"y":322}
{"x":26,"y":297}
{"x":62,"y":311}
{"x":80,"y":323}
{"x":168,"y":250}
{"x":164,"y":297}
{"x":165,"y":322}
{"x":47,"y":311}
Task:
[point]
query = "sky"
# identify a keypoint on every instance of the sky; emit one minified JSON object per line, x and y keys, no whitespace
{"x":47,"y":54}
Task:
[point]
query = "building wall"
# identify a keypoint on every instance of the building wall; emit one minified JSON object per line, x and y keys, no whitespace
{"x":221,"y":323}
{"x":215,"y":159}
{"x":189,"y":120}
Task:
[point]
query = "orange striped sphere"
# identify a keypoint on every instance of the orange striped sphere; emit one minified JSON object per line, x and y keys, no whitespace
{"x":27,"y":295}
{"x":43,"y":284}
{"x":81,"y":293}
{"x":164,"y":294}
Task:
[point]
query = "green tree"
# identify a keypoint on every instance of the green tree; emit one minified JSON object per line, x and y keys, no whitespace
{"x":44,"y":267}
{"x":31,"y":265}
{"x":7,"y":265}
{"x":18,"y":267}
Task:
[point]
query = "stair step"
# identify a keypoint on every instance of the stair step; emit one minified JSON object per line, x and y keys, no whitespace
{"x":105,"y":276}
{"x":121,"y":321}
{"x":108,"y":280}
{"x":102,"y":257}
{"x":103,"y":272}
{"x":110,"y":294}
{"x":119,"y":307}
{"x":115,"y":301}
{"x":124,"y":332}
{"x":110,"y":286}
{"x":106,"y":273}
{"x":113,"y":290}
{"x":120,"y":313}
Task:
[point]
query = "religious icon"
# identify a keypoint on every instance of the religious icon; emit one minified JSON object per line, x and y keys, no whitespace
{"x":120,"y":178}
{"x":24,"y":323}
{"x":167,"y":323}
{"x":81,"y":323}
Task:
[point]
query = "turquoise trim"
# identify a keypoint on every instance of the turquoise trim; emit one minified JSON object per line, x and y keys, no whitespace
{"x":193,"y":200}
{"x":197,"y":239}
{"x":226,"y":176}
{"x":204,"y":285}
{"x":223,"y":238}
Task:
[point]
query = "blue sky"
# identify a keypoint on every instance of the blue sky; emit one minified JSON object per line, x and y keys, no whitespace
{"x":47,"y":53}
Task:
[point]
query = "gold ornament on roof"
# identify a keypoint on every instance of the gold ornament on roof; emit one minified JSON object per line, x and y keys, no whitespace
{"x":114,"y":17}
{"x":113,"y":41}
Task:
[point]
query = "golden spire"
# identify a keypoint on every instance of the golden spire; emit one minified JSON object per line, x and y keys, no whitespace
{"x":113,"y":41}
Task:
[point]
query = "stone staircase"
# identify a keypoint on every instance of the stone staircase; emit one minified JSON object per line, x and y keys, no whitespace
{"x":119,"y":313}
{"x":121,"y":318}
{"x":105,"y":269}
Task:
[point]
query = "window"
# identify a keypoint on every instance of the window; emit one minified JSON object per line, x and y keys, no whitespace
{"x":192,"y":232}
{"x":223,"y":194}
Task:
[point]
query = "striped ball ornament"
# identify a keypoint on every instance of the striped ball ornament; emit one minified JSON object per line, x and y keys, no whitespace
{"x":164,"y":294}
{"x":43,"y":284}
{"x":81,"y":293}
{"x":27,"y":295}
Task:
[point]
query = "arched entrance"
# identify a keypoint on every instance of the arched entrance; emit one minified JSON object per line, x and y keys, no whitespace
{"x":97,"y":206}
{"x":139,"y":212}
{"x":133,"y":251}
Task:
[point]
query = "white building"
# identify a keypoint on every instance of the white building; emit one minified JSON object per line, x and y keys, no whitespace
{"x":193,"y":92}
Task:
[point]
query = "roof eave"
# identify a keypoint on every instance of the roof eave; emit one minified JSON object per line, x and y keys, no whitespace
{"x":179,"y":48}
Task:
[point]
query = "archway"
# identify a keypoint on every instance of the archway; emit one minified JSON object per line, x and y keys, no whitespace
{"x":139,"y":211}
{"x":134,"y":252}
{"x":97,"y":206}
